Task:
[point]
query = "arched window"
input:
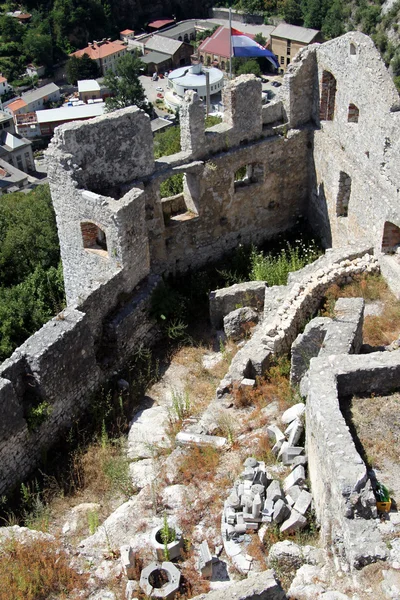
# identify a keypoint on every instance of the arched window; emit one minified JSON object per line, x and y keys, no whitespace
{"x":391,"y":238}
{"x":93,"y":237}
{"x":328,"y":94}
{"x":352,"y":116}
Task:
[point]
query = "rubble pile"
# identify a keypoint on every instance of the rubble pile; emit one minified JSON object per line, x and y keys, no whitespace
{"x":257,"y":499}
{"x":285,"y":447}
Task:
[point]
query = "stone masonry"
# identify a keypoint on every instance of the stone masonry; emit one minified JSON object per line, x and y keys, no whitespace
{"x":118,"y":237}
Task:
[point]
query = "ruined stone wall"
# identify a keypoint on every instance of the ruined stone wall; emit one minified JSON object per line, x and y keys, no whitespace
{"x":356,"y":143}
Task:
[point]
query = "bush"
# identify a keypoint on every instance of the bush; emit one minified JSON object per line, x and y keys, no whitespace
{"x":37,"y":570}
{"x":275,"y":269}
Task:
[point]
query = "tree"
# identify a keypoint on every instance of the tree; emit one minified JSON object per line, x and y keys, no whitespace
{"x":39,"y":47}
{"x":290,"y":11}
{"x":260,"y":39}
{"x":249,"y":67}
{"x":81,"y":68}
{"x":125,"y":85}
{"x":28,"y":235}
{"x":333,"y":22}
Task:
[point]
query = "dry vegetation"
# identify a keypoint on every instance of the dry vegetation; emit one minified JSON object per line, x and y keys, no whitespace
{"x":38,"y":570}
{"x":380,"y":329}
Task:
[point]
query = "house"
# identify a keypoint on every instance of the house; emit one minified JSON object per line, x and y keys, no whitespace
{"x":215,"y":50}
{"x":160,"y":24}
{"x":14,"y":107}
{"x":4,"y":87}
{"x":287,"y":40}
{"x":88,"y":89}
{"x":21,"y":16}
{"x":27,"y":125}
{"x":36,"y":99}
{"x":156,"y":62}
{"x":17,"y":151}
{"x":48,"y":120}
{"x":126,"y":35}
{"x":104,"y":53}
{"x":33,"y":100}
{"x":6,"y":122}
{"x":179,"y":52}
{"x":33,"y":71}
{"x":185,"y":31}
{"x":11,"y":179}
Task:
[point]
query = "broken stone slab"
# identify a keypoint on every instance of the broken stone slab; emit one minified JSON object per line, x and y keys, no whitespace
{"x":294,"y":492}
{"x":296,"y":477}
{"x":290,"y":453}
{"x":303,"y":502}
{"x":131,"y":590}
{"x":250,"y":462}
{"x":274,"y":491}
{"x":246,"y":382}
{"x":295,"y":522}
{"x":205,"y":560}
{"x":242,"y":563}
{"x":268,"y":509}
{"x":286,"y":555}
{"x":128,"y":561}
{"x":284,"y":446}
{"x":233,"y":500}
{"x":281,"y":511}
{"x":300,"y":460}
{"x":296,"y":432}
{"x":186,"y":438}
{"x":277,"y":447}
{"x":274,"y":433}
{"x":256,"y":508}
{"x":294,"y":412}
{"x":259,"y":585}
{"x":238,"y":322}
{"x":231,"y":548}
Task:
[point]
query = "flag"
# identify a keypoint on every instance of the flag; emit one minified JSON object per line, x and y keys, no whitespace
{"x":244,"y":47}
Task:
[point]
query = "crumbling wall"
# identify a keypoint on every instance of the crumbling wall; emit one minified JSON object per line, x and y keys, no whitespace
{"x":365,"y":150}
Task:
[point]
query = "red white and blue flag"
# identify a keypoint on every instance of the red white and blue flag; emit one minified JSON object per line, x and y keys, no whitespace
{"x":244,"y":47}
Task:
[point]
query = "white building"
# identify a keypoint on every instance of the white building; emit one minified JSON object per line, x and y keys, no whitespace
{"x":192,"y":78}
{"x":4,"y":87}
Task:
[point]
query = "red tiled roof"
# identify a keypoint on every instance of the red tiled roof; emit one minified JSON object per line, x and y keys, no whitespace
{"x":16,"y":105}
{"x":100,"y":51}
{"x":126,"y":31}
{"x":218,"y":43}
{"x":160,"y":23}
{"x":24,"y":16}
{"x":2,"y":79}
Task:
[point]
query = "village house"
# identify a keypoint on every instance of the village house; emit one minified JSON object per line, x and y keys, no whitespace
{"x":104,"y":53}
{"x":14,"y":148}
{"x":287,"y":40}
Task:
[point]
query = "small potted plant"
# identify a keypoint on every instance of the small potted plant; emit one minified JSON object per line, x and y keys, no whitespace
{"x":383,"y":501}
{"x":167,"y":541}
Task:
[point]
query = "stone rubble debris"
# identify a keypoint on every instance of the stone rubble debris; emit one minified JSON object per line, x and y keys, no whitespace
{"x":256,"y":501}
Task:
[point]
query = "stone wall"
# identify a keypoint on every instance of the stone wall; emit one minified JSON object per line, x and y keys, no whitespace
{"x":118,"y":236}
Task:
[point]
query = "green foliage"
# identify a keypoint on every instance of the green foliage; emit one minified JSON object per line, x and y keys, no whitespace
{"x":31,"y":290}
{"x":249,"y":67}
{"x":169,"y":308}
{"x":93,"y":521}
{"x":333,"y":23}
{"x":212,"y":120}
{"x":172,"y":186}
{"x":81,"y":68}
{"x":167,"y":142}
{"x":260,"y":39}
{"x":38,"y":47}
{"x":181,"y":405}
{"x":125,"y":85}
{"x":275,"y":269}
{"x":37,"y":415}
{"x":290,"y":11}
{"x":168,"y":535}
{"x":28,"y":233}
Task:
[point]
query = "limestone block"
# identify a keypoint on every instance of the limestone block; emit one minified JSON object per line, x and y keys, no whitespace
{"x":296,"y":477}
{"x":292,"y":413}
{"x":205,"y":560}
{"x":303,"y":502}
{"x":259,"y":585}
{"x":274,"y":491}
{"x":128,"y":561}
{"x":186,"y":438}
{"x":290,"y":454}
{"x":237,"y":324}
{"x":281,"y":511}
{"x":295,"y":522}
{"x":296,"y":432}
{"x":286,"y":554}
{"x":275,"y":433}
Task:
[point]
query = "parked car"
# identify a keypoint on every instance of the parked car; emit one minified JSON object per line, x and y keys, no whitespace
{"x":159,"y":89}
{"x":276,"y":83}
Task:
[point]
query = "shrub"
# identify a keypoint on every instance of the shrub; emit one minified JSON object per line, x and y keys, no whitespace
{"x":275,"y":269}
{"x":38,"y":570}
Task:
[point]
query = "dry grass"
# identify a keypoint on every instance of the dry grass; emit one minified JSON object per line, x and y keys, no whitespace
{"x":262,"y":449}
{"x":273,"y":386}
{"x":377,"y":425}
{"x":38,"y":570}
{"x":378,"y":330}
{"x":199,"y":463}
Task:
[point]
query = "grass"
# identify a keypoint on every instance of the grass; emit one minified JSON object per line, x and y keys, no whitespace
{"x":199,"y":463}
{"x":275,"y":268}
{"x":273,"y":386}
{"x":380,"y":329}
{"x":38,"y":570}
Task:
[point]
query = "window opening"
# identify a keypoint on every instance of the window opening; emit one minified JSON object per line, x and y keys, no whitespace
{"x":352,"y":116}
{"x":328,"y":94}
{"x":343,"y":197}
